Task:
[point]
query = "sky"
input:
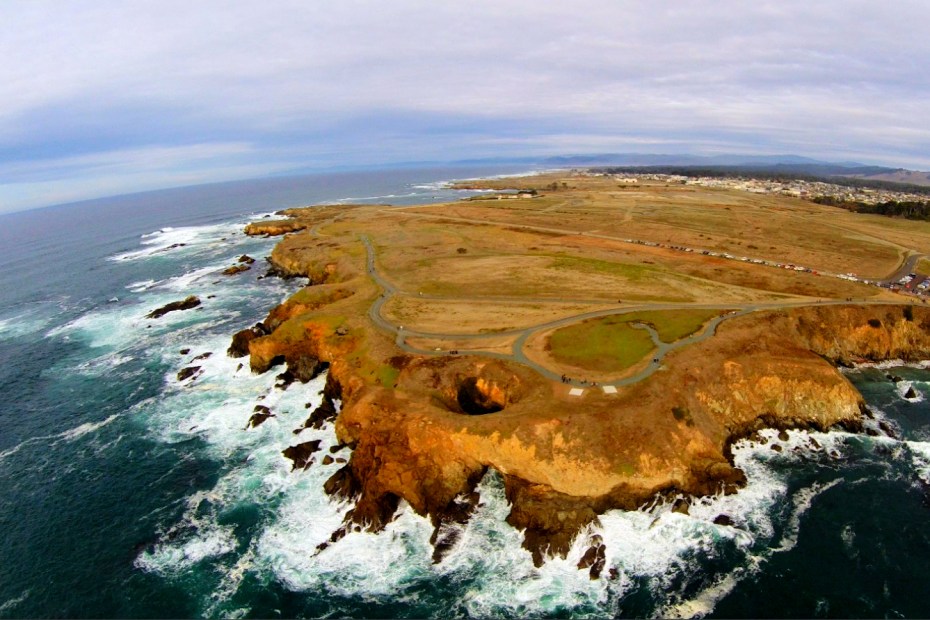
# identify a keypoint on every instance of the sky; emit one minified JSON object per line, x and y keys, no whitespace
{"x":102,"y":98}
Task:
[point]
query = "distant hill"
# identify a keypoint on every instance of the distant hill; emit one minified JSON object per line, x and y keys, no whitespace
{"x":648,"y":159}
{"x":909,"y":177}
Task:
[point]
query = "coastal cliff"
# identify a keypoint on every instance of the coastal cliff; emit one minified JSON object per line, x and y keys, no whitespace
{"x":425,"y":428}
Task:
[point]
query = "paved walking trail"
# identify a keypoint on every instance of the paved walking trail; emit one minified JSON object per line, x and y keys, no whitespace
{"x":517,"y":354}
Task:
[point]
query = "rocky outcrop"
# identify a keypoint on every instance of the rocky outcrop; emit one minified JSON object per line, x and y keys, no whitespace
{"x":260,"y":414}
{"x":272,"y":228}
{"x":235,"y":269}
{"x":187,"y":303}
{"x":426,"y":429}
{"x":302,"y":454}
{"x":241,"y":339}
{"x":301,"y":368}
{"x":326,"y":411}
{"x":187,"y":373}
{"x":852,"y":334}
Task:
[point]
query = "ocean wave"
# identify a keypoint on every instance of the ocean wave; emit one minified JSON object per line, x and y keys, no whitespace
{"x":68,"y":435}
{"x":169,"y":240}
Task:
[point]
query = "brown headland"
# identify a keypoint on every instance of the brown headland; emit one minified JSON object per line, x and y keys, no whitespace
{"x":596,"y":343}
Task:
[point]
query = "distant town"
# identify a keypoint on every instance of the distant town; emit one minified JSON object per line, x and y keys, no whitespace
{"x":809,"y":190}
{"x":905,"y":280}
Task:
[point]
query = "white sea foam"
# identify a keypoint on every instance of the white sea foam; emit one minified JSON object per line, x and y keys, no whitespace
{"x":902,"y":388}
{"x":13,"y":602}
{"x":889,"y":364}
{"x":920,"y":459}
{"x":21,"y":325}
{"x":178,"y":239}
{"x":50,"y":441}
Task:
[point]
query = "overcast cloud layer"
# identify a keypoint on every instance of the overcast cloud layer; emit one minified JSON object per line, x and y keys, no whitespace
{"x":102,"y":98}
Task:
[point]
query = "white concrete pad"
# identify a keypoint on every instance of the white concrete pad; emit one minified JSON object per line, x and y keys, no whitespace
{"x":575,"y":392}
{"x":609,"y":389}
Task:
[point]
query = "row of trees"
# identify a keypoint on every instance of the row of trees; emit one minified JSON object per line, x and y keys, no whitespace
{"x":909,"y":209}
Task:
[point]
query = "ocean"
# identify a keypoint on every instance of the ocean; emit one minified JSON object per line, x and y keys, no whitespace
{"x":125,"y":492}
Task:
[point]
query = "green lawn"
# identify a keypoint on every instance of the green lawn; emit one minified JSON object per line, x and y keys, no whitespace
{"x":604,"y":345}
{"x":672,"y":325}
{"x":612,"y":344}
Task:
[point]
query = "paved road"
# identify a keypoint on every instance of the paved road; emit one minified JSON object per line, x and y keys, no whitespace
{"x":517,"y":353}
{"x":909,"y":265}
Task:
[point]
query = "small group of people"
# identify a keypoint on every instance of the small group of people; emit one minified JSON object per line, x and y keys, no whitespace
{"x":567,"y":379}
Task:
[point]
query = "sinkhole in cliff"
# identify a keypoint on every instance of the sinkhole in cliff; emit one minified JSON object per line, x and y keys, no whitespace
{"x":478,"y":397}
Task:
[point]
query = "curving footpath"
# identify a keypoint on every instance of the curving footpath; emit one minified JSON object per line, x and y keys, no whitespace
{"x":662,"y":348}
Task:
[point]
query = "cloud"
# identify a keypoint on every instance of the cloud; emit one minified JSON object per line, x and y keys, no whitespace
{"x":296,"y":83}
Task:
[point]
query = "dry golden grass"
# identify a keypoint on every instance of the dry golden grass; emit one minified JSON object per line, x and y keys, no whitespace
{"x":469,"y":317}
{"x":741,"y":223}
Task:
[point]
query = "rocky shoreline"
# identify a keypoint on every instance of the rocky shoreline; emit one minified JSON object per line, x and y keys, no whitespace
{"x":563,"y":464}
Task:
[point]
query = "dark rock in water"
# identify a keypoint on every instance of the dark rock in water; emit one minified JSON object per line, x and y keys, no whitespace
{"x":343,"y":484}
{"x":187,"y":303}
{"x":241,"y":340}
{"x":184,"y":351}
{"x":594,"y":558}
{"x":326,"y":412}
{"x":302,"y":454}
{"x":327,"y":459}
{"x":444,"y":543}
{"x":336,"y":448}
{"x":783,"y":436}
{"x":887,"y":429}
{"x":911,"y":393}
{"x":234,"y":269}
{"x":211,"y":296}
{"x":777,"y":448}
{"x":723,"y":520}
{"x":871,"y":432}
{"x":681,"y":506}
{"x":339,"y":459}
{"x":614,"y":574}
{"x":815,"y":444}
{"x":202,"y":356}
{"x":895,"y":378}
{"x":187,"y":373}
{"x":261,"y":414}
{"x":246,"y":259}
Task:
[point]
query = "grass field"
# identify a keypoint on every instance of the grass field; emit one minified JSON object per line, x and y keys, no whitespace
{"x":672,"y":325}
{"x":609,"y":344}
{"x":612,"y":344}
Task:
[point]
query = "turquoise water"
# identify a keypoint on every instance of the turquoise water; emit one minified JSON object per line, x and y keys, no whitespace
{"x":126,"y":493}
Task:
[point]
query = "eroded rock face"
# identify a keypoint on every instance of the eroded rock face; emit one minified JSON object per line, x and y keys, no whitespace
{"x":566,"y":461}
{"x":240,"y":341}
{"x":477,"y":396}
{"x":302,"y":368}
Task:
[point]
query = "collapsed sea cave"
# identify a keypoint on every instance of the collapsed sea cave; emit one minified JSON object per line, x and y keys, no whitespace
{"x":477,"y":397}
